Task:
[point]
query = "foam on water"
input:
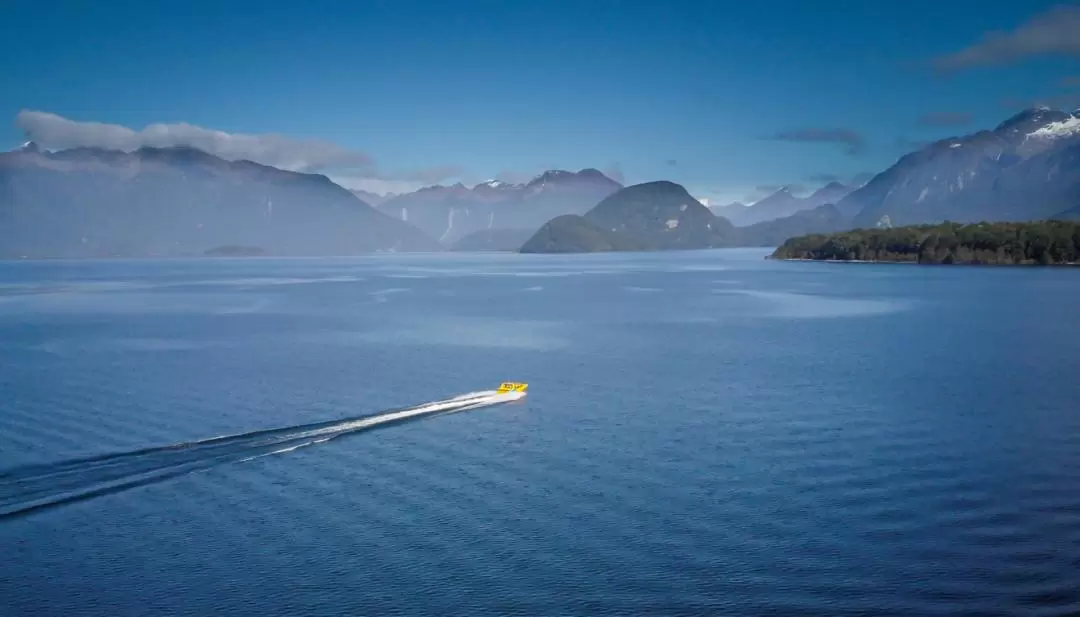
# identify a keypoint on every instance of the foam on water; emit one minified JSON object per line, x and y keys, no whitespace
{"x":37,"y":487}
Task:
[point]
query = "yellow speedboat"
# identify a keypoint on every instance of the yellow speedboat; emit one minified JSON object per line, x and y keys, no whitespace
{"x":510,"y":386}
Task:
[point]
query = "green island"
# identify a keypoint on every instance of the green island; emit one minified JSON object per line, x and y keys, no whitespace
{"x":1048,"y":242}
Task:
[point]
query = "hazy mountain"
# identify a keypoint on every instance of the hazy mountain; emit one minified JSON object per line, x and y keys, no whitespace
{"x":182,"y":201}
{"x":823,"y":219}
{"x":779,"y":204}
{"x":829,"y":194}
{"x":370,"y":198}
{"x":452,"y":212}
{"x":1028,"y":167}
{"x":88,"y":202}
{"x":654,"y":216}
{"x":493,"y":240}
{"x":729,"y":211}
{"x":436,"y":209}
{"x":784,"y":203}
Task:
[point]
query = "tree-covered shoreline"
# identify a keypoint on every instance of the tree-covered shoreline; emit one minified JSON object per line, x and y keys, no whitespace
{"x":1013,"y":243}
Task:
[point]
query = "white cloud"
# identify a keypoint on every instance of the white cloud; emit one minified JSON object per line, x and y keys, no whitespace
{"x":308,"y":155}
{"x":351,"y":168}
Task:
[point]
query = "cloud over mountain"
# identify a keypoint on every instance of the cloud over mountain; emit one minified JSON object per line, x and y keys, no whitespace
{"x":351,"y":168}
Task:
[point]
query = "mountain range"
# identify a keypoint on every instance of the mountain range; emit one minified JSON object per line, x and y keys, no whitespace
{"x":664,"y":216}
{"x":1027,"y":168}
{"x":88,"y":202}
{"x":781,"y":204}
{"x":449,"y":213}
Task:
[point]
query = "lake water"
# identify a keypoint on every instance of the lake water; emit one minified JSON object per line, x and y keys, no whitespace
{"x":706,"y":433}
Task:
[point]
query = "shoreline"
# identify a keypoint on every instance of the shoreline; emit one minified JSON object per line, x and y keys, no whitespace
{"x":916,"y":263}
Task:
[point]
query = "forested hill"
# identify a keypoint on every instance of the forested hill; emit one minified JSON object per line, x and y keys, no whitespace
{"x":1038,"y":242}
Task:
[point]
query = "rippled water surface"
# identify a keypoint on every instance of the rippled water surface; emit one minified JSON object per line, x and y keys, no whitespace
{"x":706,"y":433}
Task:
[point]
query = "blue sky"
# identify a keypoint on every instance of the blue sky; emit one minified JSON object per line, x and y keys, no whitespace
{"x":724,"y":97}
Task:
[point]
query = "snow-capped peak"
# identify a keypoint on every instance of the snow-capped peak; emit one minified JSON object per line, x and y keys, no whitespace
{"x":1063,"y":128}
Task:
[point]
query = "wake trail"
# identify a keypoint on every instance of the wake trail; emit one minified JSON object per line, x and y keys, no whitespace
{"x":32,"y":488}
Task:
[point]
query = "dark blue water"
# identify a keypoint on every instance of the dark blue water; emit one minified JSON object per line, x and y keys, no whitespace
{"x":706,"y":433}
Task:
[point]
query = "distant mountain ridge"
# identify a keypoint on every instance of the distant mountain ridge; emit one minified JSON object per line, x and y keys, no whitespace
{"x":662,"y":215}
{"x":823,"y":219}
{"x":727,"y":210}
{"x":91,"y":202}
{"x":1026,"y":168}
{"x":784,"y":203}
{"x":448,"y":213}
{"x":373,"y":199}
